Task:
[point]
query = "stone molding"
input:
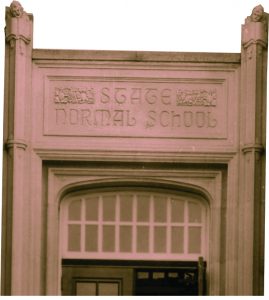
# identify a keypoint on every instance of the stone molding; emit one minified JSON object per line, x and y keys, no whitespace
{"x":44,"y":56}
{"x":214,"y":156}
{"x":257,"y":148}
{"x":11,"y":143}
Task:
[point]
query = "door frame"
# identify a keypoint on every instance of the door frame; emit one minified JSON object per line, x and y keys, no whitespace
{"x":62,"y":180}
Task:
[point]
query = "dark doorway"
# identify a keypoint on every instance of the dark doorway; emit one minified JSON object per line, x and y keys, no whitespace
{"x":88,"y":277}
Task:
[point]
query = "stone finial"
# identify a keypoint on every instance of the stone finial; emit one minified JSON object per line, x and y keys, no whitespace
{"x":255,"y":29}
{"x":18,"y":24}
{"x":257,"y":15}
{"x":16,"y":9}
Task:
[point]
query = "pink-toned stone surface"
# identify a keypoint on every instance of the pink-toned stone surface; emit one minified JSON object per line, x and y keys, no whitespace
{"x":79,"y":120}
{"x":156,"y":102}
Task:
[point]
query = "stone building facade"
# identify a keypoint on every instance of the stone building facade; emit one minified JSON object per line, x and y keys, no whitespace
{"x":133,"y":172}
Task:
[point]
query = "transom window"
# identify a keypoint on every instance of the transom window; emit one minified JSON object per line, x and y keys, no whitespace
{"x":133,"y":224}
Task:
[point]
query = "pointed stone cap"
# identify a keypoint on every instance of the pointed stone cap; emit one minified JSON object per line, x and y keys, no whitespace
{"x":255,"y":29}
{"x":18,"y":23}
{"x":257,"y":15}
{"x":16,"y":9}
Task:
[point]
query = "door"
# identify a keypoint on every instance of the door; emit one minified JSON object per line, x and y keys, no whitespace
{"x":96,"y":281}
{"x":139,"y":278}
{"x":161,"y":281}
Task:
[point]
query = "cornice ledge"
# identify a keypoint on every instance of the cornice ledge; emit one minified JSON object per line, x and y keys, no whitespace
{"x":11,"y":144}
{"x":131,"y":156}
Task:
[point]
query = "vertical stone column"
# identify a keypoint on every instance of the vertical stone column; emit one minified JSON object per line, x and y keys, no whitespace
{"x":16,"y":240}
{"x":252,"y":144}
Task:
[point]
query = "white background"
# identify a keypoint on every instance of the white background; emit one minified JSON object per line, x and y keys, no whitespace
{"x":155,"y":25}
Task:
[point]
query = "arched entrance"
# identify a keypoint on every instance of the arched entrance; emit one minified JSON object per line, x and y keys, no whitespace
{"x":133,"y":241}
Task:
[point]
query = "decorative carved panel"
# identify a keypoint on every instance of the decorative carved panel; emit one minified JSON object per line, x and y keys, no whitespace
{"x":130,"y":107}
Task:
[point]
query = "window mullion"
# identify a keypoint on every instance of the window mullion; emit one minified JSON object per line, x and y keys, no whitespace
{"x":168,"y":226}
{"x":117,"y":224}
{"x":151,"y":225}
{"x":82,"y":228}
{"x":100,"y":224}
{"x":203,"y":233}
{"x":134,"y":224}
{"x":186,"y":232}
{"x":65,"y":228}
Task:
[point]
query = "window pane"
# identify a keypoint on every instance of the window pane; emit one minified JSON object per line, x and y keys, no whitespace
{"x":74,"y":211}
{"x":125,"y":238}
{"x":160,"y":206}
{"x":92,"y":208}
{"x":142,"y":239}
{"x":108,"y":289}
{"x":160,"y":239}
{"x":105,"y":223}
{"x":86,"y":289}
{"x":177,"y":213}
{"x":108,"y":238}
{"x":91,"y":239}
{"x":194,"y":240}
{"x":194,"y":212}
{"x":158,"y":275}
{"x":73,"y":237}
{"x":109,"y":203}
{"x":126,"y":207}
{"x":143,"y":208}
{"x":143,"y":275}
{"x":177,"y":240}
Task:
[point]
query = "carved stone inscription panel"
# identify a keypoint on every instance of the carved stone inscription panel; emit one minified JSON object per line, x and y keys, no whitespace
{"x":136,"y":108}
